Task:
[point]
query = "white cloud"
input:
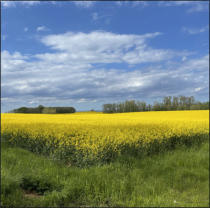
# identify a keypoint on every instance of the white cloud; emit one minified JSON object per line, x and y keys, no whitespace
{"x":50,"y":82}
{"x":82,"y":100}
{"x":16,"y":55}
{"x":84,"y":4}
{"x":8,"y":4}
{"x":193,"y":31}
{"x":196,"y":64}
{"x":11,"y":61}
{"x":41,"y":28}
{"x":104,"y":47}
{"x":198,"y":89}
{"x":70,"y":75}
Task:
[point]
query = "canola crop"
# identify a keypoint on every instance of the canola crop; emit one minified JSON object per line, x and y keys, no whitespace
{"x":88,"y":138}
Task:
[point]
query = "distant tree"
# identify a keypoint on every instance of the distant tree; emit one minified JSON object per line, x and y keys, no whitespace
{"x":149,"y":107}
{"x":156,"y":106}
{"x":168,"y":103}
{"x":175,"y":103}
{"x":108,"y":108}
{"x":40,"y":108}
{"x":195,"y":107}
{"x":21,"y":110}
{"x":65,"y":110}
{"x":49,"y":110}
{"x":141,"y":106}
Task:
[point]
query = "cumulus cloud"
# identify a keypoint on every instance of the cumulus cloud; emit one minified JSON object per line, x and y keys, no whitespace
{"x":11,"y":61}
{"x":70,"y":74}
{"x":196,"y":64}
{"x":193,"y":31}
{"x":103,"y":47}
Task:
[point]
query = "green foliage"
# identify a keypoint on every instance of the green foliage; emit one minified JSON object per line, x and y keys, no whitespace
{"x":68,"y":154}
{"x":168,"y":104}
{"x":179,"y":178}
{"x":42,"y":109}
{"x":65,"y":110}
{"x":37,"y":184}
{"x":48,"y":110}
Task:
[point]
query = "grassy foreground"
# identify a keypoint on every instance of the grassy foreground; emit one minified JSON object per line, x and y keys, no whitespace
{"x":176,"y":178}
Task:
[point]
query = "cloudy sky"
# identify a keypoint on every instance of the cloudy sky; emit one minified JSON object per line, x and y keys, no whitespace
{"x":84,"y":54}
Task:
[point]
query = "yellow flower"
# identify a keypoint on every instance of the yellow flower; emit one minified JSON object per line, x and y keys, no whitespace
{"x":97,"y":133}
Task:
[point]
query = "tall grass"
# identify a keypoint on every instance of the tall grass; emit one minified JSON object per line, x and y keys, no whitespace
{"x":176,"y":178}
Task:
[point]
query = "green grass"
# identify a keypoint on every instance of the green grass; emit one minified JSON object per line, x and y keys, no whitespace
{"x":176,"y":178}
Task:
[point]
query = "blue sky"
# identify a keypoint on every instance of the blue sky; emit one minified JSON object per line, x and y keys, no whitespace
{"x":84,"y":54}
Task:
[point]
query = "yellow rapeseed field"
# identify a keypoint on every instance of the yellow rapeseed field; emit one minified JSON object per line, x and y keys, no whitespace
{"x":90,"y":137}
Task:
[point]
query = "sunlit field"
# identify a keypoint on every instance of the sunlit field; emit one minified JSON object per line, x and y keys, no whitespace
{"x":88,"y":138}
{"x":95,"y":159}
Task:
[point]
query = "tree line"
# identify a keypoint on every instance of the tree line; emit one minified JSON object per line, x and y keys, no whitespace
{"x":43,"y":109}
{"x":168,"y":103}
